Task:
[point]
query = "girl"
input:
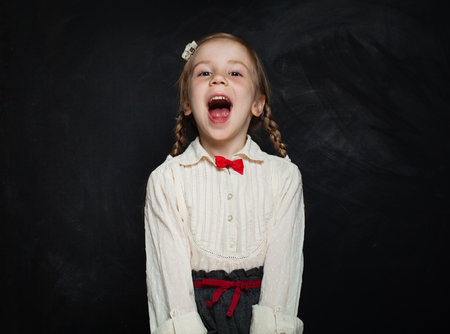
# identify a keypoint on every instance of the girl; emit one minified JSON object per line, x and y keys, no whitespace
{"x":224,"y":221}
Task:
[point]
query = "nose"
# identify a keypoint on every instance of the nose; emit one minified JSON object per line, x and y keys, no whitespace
{"x":218,"y":79}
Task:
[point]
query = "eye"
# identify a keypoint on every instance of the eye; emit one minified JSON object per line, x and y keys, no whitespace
{"x":235,"y":74}
{"x":204,"y":74}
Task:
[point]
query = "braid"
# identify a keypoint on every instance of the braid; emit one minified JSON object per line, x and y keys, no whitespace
{"x":275,"y":136}
{"x":180,"y":133}
{"x":272,"y":128}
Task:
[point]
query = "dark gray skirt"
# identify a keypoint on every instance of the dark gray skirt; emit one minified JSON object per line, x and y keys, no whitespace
{"x":215,"y":317}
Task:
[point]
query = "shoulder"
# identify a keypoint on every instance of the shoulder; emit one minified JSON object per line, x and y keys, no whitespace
{"x":165,"y":173}
{"x":281,"y":166}
{"x":167,"y":166}
{"x":276,"y":164}
{"x":285,"y":175}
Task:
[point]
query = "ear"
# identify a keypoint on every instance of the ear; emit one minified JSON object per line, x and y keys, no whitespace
{"x":186,"y":107}
{"x":258,"y":105}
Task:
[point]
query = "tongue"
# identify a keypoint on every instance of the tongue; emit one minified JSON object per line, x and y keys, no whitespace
{"x":219,"y":113}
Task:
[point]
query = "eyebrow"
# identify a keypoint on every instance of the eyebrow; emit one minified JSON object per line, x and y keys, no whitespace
{"x":238,"y":62}
{"x":230,"y":61}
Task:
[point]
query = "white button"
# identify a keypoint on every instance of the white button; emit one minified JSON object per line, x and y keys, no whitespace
{"x":230,"y":218}
{"x":230,"y":196}
{"x":174,"y":313}
{"x":232,"y":244}
{"x":278,"y":309}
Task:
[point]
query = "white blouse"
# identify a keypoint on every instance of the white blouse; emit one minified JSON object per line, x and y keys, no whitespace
{"x":200,"y":217}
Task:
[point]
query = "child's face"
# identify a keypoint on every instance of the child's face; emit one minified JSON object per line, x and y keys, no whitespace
{"x":222,"y":96}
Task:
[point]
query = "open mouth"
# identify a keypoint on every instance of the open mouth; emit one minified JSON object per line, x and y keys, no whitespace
{"x":219,"y":108}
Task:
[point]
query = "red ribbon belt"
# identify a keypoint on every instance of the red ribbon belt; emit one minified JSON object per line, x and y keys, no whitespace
{"x":224,"y":286}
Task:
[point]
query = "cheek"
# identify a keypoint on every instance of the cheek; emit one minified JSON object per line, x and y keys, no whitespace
{"x":194,"y":87}
{"x":248,"y":87}
{"x":253,"y":87}
{"x":191,"y":93}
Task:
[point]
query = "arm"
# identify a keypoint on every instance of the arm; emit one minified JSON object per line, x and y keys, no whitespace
{"x":170,"y":291}
{"x":280,"y":291}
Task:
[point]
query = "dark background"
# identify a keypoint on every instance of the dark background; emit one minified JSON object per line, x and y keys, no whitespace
{"x":88,"y":102}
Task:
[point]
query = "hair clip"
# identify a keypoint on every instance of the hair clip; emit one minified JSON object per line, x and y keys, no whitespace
{"x":189,"y":50}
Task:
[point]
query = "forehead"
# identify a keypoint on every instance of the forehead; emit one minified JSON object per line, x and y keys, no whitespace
{"x":222,"y":49}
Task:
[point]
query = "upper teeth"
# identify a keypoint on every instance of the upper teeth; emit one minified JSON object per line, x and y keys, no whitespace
{"x":220,"y":98}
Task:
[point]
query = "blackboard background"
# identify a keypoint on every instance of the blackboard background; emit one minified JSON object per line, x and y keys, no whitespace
{"x":87,"y":108}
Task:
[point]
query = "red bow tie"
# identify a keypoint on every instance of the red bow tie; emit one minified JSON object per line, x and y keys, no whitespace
{"x":237,"y":165}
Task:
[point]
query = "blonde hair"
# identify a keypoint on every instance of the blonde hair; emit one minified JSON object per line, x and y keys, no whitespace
{"x":262,"y":87}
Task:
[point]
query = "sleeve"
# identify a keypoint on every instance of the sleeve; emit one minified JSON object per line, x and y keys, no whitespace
{"x":170,"y":291}
{"x":283,"y":267}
